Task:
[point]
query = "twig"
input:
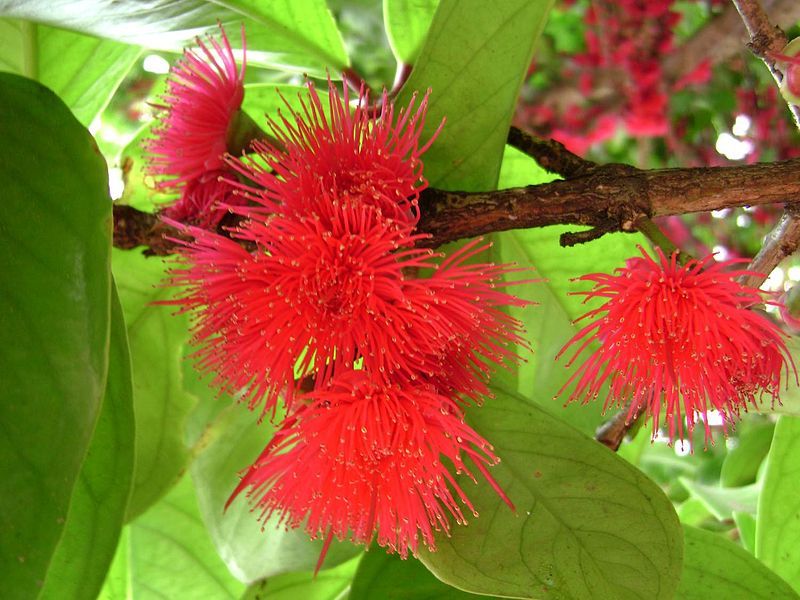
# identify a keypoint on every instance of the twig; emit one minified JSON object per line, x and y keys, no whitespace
{"x":551,"y":155}
{"x":765,"y":38}
{"x":653,"y":233}
{"x":554,"y":157}
{"x":613,"y":432}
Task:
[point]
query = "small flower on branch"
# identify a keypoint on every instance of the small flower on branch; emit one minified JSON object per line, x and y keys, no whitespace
{"x":676,"y":341}
{"x":200,"y":121}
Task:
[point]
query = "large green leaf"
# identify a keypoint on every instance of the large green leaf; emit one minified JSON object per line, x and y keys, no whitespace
{"x":329,"y":584}
{"x":97,"y":511}
{"x":84,"y":71}
{"x":746,"y":524}
{"x":55,"y":229}
{"x":714,"y":567}
{"x":251,"y":552}
{"x":407,"y":23}
{"x":561,"y":265}
{"x":262,"y":100}
{"x":587,"y":523}
{"x":166,"y":553}
{"x":382,"y":575}
{"x":161,"y":405}
{"x":474,"y":59}
{"x":296,"y":33}
{"x":778,"y":520}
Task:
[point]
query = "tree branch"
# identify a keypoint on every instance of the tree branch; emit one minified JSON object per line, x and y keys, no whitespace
{"x":609,"y":198}
{"x":781,"y":243}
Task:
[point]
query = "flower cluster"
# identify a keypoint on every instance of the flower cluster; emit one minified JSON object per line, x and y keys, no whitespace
{"x":321,"y":303}
{"x":678,"y":339}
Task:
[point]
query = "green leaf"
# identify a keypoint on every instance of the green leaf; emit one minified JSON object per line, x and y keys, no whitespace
{"x":97,"y":511}
{"x":474,"y":59}
{"x":694,"y":512}
{"x":540,"y":378}
{"x":561,"y":265}
{"x":117,"y":586}
{"x":304,"y":25}
{"x":55,"y":235}
{"x":778,"y":520}
{"x":262,"y":100}
{"x":252,"y":552}
{"x":744,"y":459}
{"x":382,"y":575}
{"x":300,"y":34}
{"x":714,"y":567}
{"x":166,"y":553}
{"x":407,"y":23}
{"x":587,"y":524}
{"x":161,"y":405}
{"x":722,"y":501}
{"x":330,"y":584}
{"x":84,"y":71}
{"x":746,"y":524}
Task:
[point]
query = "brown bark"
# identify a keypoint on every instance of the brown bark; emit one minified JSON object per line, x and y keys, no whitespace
{"x":607,"y":198}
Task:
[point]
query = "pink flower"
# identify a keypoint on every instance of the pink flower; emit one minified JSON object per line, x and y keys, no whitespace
{"x":679,"y":340}
{"x":351,"y":154}
{"x":365,"y":461}
{"x":204,"y":93}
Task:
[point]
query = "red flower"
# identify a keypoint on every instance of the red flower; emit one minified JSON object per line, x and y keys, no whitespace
{"x":350,"y":154}
{"x":327,"y":289}
{"x":678,"y":339}
{"x":204,"y":201}
{"x":364,"y":461}
{"x":204,"y":93}
{"x":463,"y":307}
